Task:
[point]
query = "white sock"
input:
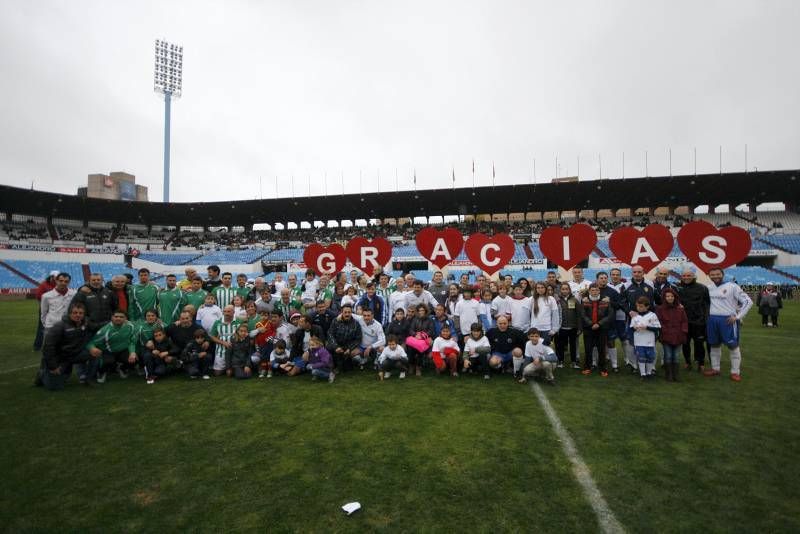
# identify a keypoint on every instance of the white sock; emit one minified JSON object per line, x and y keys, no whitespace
{"x":629,"y":357}
{"x":715,"y":354}
{"x":517,"y":364}
{"x":612,"y":355}
{"x":736,"y":361}
{"x":649,"y":367}
{"x":642,"y":369}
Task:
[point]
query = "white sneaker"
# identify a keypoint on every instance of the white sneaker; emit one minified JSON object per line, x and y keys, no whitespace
{"x":120,"y":372}
{"x":387,"y":374}
{"x":486,"y":377}
{"x":331,"y":378}
{"x":402,"y":375}
{"x":269,"y":375}
{"x":101,"y":378}
{"x":206,"y":377}
{"x":151,"y":381}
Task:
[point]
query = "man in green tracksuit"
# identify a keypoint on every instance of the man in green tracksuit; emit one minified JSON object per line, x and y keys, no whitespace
{"x":197,"y":296}
{"x":142,"y":296}
{"x":170,"y":301}
{"x":115,"y":343}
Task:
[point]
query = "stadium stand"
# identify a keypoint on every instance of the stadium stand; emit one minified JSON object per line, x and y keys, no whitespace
{"x":39,"y":270}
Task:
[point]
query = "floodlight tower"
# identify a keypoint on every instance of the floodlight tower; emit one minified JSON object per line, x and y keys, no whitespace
{"x":167,"y":81}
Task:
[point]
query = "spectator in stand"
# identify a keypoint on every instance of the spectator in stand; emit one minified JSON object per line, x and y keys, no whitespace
{"x":98,"y":300}
{"x":769,"y":302}
{"x":47,"y":285}
{"x":55,"y":302}
{"x":696,"y":303}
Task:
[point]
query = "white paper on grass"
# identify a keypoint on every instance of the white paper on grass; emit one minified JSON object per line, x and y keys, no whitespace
{"x":351,"y":507}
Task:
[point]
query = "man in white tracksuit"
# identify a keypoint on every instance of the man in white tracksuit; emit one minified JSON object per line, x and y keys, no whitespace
{"x":729,"y":305}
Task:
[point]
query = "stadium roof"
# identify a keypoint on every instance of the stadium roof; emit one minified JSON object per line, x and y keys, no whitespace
{"x":708,"y":189}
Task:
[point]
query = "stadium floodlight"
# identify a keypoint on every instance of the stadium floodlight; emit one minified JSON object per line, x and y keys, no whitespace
{"x":168,"y":80}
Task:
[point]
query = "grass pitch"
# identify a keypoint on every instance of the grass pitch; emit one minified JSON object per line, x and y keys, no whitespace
{"x":431,"y":454}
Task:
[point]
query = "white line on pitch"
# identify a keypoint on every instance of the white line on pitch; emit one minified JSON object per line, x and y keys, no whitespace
{"x":18,"y":369}
{"x":605,"y":517}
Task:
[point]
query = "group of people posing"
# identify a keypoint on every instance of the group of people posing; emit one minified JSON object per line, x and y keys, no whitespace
{"x":326,"y":325}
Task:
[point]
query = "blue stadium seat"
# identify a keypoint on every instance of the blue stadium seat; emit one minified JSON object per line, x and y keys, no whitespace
{"x":39,"y":270}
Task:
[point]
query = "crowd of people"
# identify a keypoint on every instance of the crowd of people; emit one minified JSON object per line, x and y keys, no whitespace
{"x":323,"y":326}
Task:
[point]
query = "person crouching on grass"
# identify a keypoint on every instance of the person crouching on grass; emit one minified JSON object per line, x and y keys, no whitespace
{"x":645,"y":328}
{"x":159,"y":353}
{"x":445,"y":352}
{"x":674,"y":330}
{"x":115,"y":346}
{"x":539,"y":358}
{"x":196,"y":357}
{"x":279,"y":360}
{"x":319,"y":360}
{"x":393,"y":356}
{"x":476,"y":351}
{"x":237,"y":358}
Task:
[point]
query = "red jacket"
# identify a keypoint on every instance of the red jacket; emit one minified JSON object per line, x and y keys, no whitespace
{"x":674,"y":323}
{"x":44,"y":287}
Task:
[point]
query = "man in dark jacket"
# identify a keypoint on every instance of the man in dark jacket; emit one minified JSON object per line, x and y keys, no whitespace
{"x":660,"y":283}
{"x":100,"y":302}
{"x":306,"y":329}
{"x":65,"y":346}
{"x":697,"y":303}
{"x":637,"y":287}
{"x":323,"y":318}
{"x":596,"y":317}
{"x":508,"y":345}
{"x":344,"y":339}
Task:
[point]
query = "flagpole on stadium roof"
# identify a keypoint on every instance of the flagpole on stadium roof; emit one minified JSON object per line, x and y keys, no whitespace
{"x":745,"y":158}
{"x":579,"y":166}
{"x":670,"y":162}
{"x":600,"y":165}
{"x":534,"y":170}
{"x":396,"y":181}
{"x":720,"y":160}
{"x":623,"y":165}
{"x":646,"y":172}
{"x":325,"y":182}
{"x":695,"y":161}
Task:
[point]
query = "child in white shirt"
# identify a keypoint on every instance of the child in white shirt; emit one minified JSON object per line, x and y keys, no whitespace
{"x":539,"y":358}
{"x":645,"y":328}
{"x":393,"y":356}
{"x":476,"y":351}
{"x":445,"y":352}
{"x":209,"y":313}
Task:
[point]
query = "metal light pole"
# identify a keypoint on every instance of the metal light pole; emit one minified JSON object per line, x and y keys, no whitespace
{"x":168,"y":79}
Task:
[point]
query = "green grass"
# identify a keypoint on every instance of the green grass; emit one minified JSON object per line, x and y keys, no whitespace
{"x":430,"y":454}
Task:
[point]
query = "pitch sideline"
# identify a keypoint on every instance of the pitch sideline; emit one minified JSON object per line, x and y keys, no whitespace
{"x":605,"y":517}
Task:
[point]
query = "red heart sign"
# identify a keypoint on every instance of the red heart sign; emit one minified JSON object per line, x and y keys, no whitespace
{"x":490,"y":253}
{"x":646,"y":248}
{"x":368,"y":255}
{"x":440,"y":247}
{"x":568,"y":247}
{"x":325,"y":260}
{"x":708,"y":247}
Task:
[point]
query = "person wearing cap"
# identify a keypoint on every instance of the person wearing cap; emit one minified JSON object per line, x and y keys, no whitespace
{"x":696,"y":303}
{"x":56,"y":301}
{"x":47,"y":285}
{"x":769,"y":302}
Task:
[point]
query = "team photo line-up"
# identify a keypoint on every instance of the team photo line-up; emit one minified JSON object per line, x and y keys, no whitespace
{"x":325,"y":325}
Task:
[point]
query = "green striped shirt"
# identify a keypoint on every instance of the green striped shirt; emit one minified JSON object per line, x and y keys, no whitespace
{"x":224,"y":295}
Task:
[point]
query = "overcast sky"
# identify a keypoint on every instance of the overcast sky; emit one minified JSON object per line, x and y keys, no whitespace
{"x":307,"y":88}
